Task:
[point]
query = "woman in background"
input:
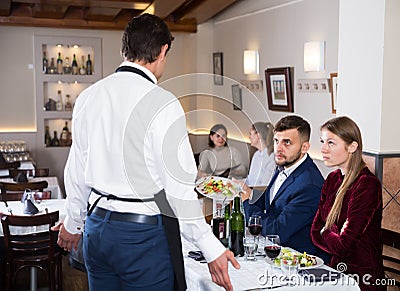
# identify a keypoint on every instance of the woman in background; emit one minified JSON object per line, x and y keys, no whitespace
{"x":220,"y":159}
{"x":348,"y":221}
{"x":263,"y":163}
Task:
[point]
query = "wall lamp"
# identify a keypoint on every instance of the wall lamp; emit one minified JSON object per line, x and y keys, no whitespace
{"x":314,"y":56}
{"x":250,"y":62}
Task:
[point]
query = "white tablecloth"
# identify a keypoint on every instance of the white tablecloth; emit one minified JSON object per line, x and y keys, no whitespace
{"x":17,"y":209}
{"x":246,"y":278}
{"x":52,"y":182}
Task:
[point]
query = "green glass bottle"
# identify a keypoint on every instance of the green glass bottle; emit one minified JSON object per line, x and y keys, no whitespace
{"x":236,"y":229}
{"x":47,"y":136}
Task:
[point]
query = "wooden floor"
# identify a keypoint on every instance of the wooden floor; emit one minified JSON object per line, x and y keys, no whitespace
{"x":73,"y":280}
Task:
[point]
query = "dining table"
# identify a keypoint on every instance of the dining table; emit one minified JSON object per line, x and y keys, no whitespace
{"x":17,"y":208}
{"x":258,"y":275}
{"x":52,"y":181}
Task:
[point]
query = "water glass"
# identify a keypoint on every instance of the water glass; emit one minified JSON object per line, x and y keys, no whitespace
{"x":290,"y":268}
{"x":250,"y":248}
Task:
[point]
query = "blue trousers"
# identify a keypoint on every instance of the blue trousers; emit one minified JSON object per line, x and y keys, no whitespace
{"x":126,"y":256}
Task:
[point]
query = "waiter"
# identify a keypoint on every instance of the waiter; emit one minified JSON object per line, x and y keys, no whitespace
{"x":130,"y":172}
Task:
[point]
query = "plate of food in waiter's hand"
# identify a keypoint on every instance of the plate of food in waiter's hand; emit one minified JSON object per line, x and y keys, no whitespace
{"x":217,"y":188}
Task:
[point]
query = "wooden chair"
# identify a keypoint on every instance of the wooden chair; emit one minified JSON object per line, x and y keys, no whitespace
{"x":37,"y":250}
{"x":9,"y":166}
{"x":14,"y":191}
{"x":391,"y":263}
{"x":37,"y":172}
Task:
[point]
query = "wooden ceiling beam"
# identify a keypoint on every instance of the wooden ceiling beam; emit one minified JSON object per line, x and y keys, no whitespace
{"x":49,"y":11}
{"x":101,"y":14}
{"x":5,"y":7}
{"x":117,"y":24}
{"x":207,"y":10}
{"x":163,"y":8}
{"x":121,"y":4}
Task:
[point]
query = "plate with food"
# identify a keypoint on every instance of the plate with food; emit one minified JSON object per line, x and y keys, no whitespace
{"x":306,"y":261}
{"x":218,"y":188}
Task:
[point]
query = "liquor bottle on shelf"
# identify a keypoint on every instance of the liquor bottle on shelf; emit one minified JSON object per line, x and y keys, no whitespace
{"x":59,"y":64}
{"x":68,"y":104}
{"x":82,"y":69}
{"x":45,"y":63}
{"x":236,"y":229}
{"x":74,"y":66}
{"x":52,"y":69}
{"x":65,"y":137}
{"x":67,"y":66}
{"x":59,"y":104}
{"x":55,"y":142}
{"x":89,"y":68}
{"x":47,"y":136}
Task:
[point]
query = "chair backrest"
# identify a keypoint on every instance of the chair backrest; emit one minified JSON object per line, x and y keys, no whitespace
{"x":38,"y":243}
{"x":391,"y":254}
{"x":7,"y":166}
{"x":37,"y":172}
{"x":14,"y":191}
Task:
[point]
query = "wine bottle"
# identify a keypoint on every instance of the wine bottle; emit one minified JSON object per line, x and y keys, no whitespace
{"x":227,"y":214}
{"x":64,"y":137}
{"x":52,"y":69}
{"x":59,"y":64}
{"x":68,"y":104}
{"x":89,"y":67}
{"x":218,"y":223}
{"x":236,"y":229}
{"x":45,"y":63}
{"x":82,"y":69}
{"x":59,"y":102}
{"x":74,"y":66}
{"x":67,"y":66}
{"x":55,"y":142}
{"x":47,"y":136}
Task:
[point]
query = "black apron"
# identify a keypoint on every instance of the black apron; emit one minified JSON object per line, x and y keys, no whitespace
{"x":170,"y":222}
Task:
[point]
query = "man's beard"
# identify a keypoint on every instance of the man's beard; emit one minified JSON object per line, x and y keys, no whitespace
{"x":290,"y":162}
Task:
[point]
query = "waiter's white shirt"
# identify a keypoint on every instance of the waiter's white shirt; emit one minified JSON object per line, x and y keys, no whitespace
{"x":130,"y":140}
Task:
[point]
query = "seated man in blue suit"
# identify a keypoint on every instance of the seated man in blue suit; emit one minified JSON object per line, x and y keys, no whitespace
{"x":289,"y":203}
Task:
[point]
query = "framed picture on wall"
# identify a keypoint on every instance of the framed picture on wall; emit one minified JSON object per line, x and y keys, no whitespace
{"x":236,"y":97}
{"x":279,"y":89}
{"x":218,"y":68}
{"x":333,"y":83}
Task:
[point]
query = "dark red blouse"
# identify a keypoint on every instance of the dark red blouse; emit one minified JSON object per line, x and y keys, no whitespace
{"x":359,"y":244}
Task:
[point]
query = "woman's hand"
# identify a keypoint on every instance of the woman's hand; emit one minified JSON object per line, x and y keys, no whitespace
{"x":246,"y":190}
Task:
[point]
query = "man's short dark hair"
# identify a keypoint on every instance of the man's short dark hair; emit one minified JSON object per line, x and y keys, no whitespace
{"x":143,"y":38}
{"x":294,"y":122}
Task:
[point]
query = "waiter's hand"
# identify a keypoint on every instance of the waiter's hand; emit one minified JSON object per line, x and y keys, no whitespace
{"x":66,"y":240}
{"x":246,"y":190}
{"x":219,"y":269}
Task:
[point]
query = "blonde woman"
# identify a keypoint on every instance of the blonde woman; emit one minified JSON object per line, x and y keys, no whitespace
{"x":348,"y":221}
{"x":263,"y":163}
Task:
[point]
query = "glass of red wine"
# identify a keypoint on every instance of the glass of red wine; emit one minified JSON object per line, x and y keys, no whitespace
{"x":272,"y":246}
{"x":255,"y":227}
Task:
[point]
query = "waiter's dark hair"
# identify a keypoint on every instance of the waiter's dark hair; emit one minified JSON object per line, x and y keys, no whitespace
{"x":294,"y":122}
{"x":143,"y":38}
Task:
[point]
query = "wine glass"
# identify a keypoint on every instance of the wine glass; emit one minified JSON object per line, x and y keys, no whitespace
{"x":272,"y":246}
{"x":255,"y":227}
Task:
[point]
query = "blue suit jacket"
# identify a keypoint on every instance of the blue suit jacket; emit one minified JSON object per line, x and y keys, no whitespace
{"x":292,"y":211}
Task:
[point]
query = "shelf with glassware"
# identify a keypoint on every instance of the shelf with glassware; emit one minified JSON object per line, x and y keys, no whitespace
{"x":65,"y":66}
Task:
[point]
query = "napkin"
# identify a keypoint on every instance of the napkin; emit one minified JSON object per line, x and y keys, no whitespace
{"x":29,"y":207}
{"x":319,"y":275}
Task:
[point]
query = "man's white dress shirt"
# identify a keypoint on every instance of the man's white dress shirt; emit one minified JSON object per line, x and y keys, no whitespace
{"x":130,"y":140}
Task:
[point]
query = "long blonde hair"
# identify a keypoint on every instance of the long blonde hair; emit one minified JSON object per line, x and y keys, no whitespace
{"x":266,"y":131}
{"x":348,"y":131}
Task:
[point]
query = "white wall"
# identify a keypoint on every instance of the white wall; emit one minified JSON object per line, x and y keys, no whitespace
{"x":278,"y":29}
